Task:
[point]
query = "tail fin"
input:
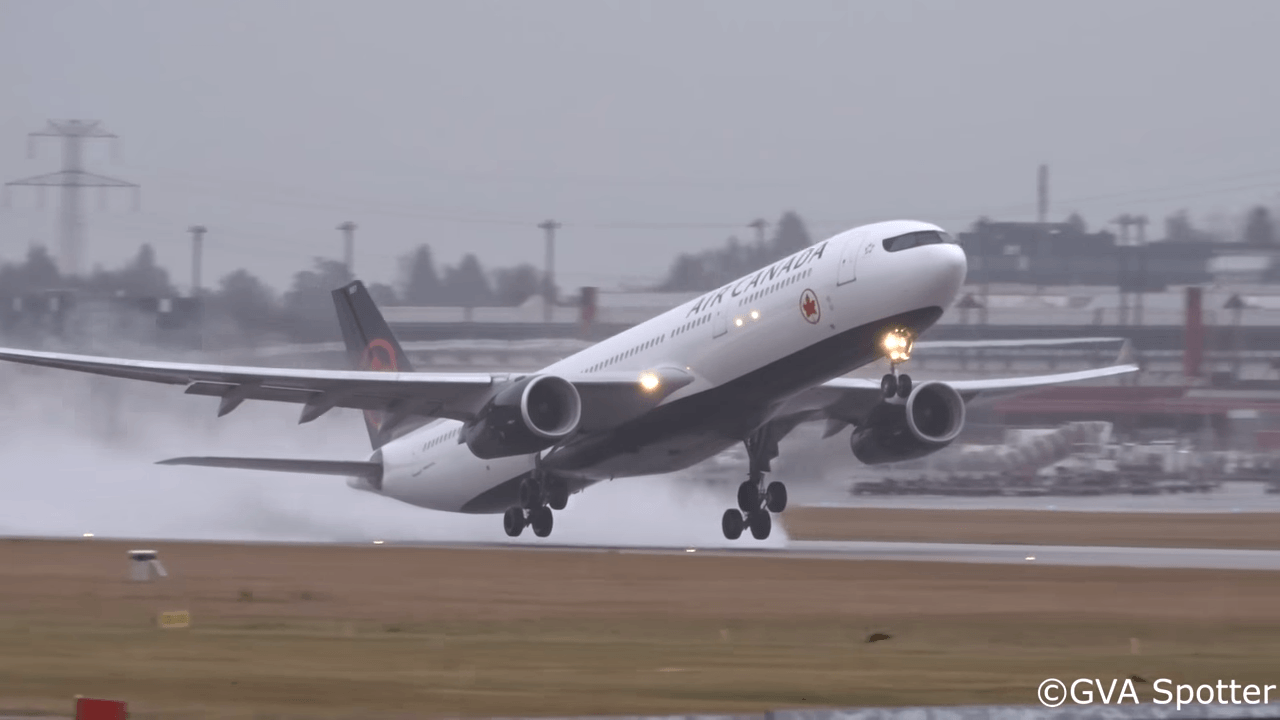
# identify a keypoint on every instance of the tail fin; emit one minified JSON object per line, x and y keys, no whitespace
{"x":370,"y":345}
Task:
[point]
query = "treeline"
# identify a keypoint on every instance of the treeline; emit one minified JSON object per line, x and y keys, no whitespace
{"x":248,"y":310}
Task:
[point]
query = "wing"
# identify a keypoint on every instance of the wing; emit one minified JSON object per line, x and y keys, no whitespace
{"x":846,"y":401}
{"x":607,"y":398}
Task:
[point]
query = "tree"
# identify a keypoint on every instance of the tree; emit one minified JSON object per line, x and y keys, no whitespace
{"x":421,"y":284}
{"x":1178,"y":228}
{"x":1077,"y":223}
{"x":791,"y":237}
{"x":39,"y":272}
{"x":1258,"y":228}
{"x":512,"y":286}
{"x":308,"y":306}
{"x":383,"y":294}
{"x":466,"y":285}
{"x":247,"y":302}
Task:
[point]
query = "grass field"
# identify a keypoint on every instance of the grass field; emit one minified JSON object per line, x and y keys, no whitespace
{"x":1037,"y":527}
{"x":384,"y":631}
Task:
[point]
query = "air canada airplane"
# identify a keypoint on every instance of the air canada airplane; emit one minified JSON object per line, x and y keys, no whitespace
{"x":745,"y":363}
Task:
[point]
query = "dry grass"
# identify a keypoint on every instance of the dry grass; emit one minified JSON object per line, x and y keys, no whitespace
{"x":384,"y":631}
{"x":1037,"y":527}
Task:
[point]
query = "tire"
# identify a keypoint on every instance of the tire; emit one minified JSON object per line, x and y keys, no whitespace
{"x":558,"y":495}
{"x":761,"y":524}
{"x":541,"y":521}
{"x":889,"y":385}
{"x":904,"y":385}
{"x":513,"y":522}
{"x":748,"y":497}
{"x":731,"y":524}
{"x":775,"y":497}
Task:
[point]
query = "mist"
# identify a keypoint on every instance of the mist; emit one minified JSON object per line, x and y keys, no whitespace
{"x":80,"y":458}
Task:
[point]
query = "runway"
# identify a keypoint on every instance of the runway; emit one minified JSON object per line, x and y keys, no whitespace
{"x":1057,"y":555}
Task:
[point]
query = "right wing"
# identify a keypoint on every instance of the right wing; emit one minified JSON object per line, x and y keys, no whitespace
{"x":847,"y":401}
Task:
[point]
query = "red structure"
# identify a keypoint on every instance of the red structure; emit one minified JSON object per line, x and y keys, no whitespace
{"x":91,"y":709}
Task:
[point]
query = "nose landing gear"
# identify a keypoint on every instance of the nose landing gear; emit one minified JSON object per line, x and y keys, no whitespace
{"x":897,"y":346}
{"x":755,"y":499}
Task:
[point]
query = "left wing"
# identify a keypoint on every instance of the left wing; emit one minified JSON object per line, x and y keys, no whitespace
{"x":607,"y":398}
{"x":847,"y":401}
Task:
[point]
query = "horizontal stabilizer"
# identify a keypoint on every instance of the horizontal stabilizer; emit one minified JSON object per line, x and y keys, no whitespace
{"x":371,"y":471}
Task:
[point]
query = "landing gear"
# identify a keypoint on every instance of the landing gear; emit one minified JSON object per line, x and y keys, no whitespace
{"x":775,"y":497}
{"x":731,"y":524}
{"x":893,"y":384}
{"x":897,"y":345}
{"x":540,"y":493}
{"x":755,"y":501}
{"x":540,"y":519}
{"x":761,"y":522}
{"x":513,"y":522}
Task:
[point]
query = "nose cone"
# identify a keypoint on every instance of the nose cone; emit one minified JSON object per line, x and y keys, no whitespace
{"x":946,"y":268}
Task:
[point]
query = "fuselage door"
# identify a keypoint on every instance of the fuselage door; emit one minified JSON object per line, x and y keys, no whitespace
{"x":719,"y":322}
{"x":849,"y":255}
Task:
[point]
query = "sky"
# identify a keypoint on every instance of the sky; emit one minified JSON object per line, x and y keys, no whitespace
{"x":646,"y":128}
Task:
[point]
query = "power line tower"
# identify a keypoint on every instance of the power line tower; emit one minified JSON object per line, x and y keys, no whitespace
{"x":71,"y":178}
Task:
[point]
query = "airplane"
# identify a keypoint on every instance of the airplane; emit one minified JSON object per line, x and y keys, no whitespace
{"x":745,"y":363}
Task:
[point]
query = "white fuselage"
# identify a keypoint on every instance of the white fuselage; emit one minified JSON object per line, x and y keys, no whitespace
{"x":723,"y":335}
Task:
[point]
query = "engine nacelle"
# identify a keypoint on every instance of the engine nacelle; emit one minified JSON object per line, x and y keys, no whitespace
{"x":928,"y":421}
{"x":525,"y":417}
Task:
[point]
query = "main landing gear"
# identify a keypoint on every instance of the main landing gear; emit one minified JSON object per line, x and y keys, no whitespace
{"x":540,"y":493}
{"x":755,"y":499}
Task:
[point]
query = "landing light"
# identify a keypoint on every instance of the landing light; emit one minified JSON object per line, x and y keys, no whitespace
{"x":755,"y":314}
{"x":88,"y":534}
{"x":737,"y":321}
{"x":649,"y":382}
{"x":898,"y":344}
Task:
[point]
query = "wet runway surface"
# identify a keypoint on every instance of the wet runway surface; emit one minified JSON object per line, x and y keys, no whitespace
{"x":1060,"y":555}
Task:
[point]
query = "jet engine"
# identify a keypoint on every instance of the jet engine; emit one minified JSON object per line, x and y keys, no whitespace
{"x":527,"y":416}
{"x":931,"y":417}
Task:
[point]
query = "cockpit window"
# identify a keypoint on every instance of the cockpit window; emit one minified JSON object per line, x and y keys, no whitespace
{"x":916,"y":239}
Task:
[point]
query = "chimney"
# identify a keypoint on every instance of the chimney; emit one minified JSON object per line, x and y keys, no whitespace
{"x":588,"y":309}
{"x":1193,"y":334}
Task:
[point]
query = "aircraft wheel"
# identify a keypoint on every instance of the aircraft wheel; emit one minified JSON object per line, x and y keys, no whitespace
{"x":889,"y":385}
{"x":731,"y":524}
{"x":513,"y":522}
{"x":558,"y":494}
{"x":540,"y":518}
{"x":530,"y":494}
{"x":775,"y":497}
{"x":904,"y":385}
{"x":761,"y":523}
{"x":748,"y":496}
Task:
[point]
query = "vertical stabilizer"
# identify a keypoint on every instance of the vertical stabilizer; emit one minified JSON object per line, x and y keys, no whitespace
{"x":370,"y":346}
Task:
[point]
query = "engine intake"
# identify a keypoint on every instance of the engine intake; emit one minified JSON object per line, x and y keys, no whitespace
{"x":930,"y":419}
{"x":525,"y":417}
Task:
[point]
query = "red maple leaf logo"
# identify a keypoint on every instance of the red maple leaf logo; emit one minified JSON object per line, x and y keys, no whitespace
{"x":810,"y":307}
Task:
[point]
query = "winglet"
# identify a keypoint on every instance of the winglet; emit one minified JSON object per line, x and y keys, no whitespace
{"x":1128,"y":356}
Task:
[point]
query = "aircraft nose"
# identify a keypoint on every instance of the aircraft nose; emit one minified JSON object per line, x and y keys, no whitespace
{"x":947,"y":270}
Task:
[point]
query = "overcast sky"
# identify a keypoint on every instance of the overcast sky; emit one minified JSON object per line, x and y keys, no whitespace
{"x":647,"y":128}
